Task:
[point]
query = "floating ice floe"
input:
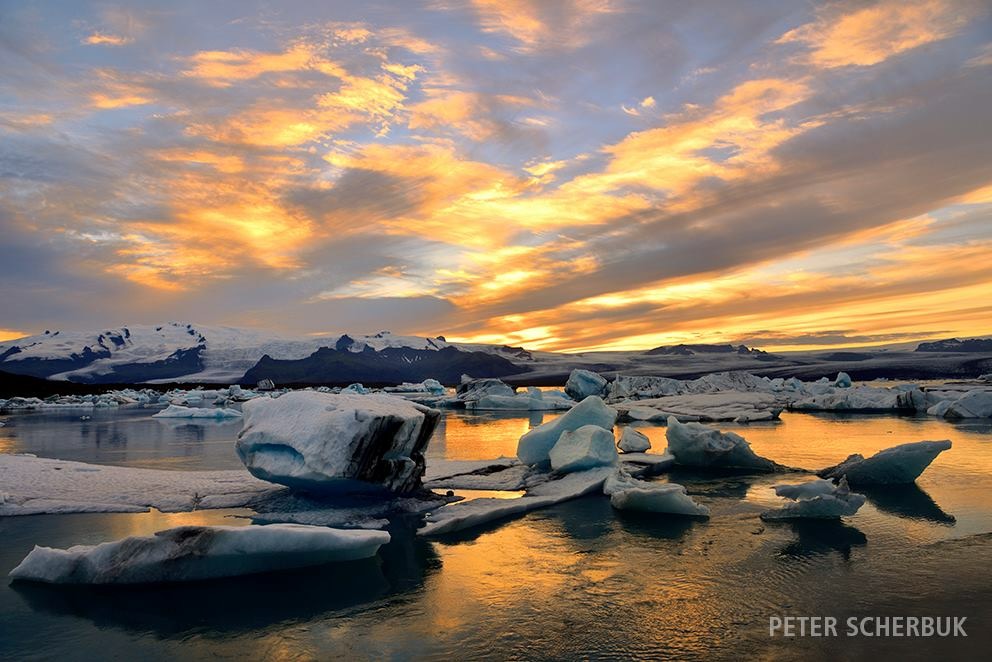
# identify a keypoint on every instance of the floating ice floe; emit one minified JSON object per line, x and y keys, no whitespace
{"x":696,"y":445}
{"x":178,"y":411}
{"x":633,"y":441}
{"x":740,"y":406}
{"x":33,"y":486}
{"x":892,"y":466}
{"x":355,"y":389}
{"x":337,"y":442}
{"x":629,"y":493}
{"x":191,"y":553}
{"x":583,"y":383}
{"x":818,"y":499}
{"x":587,"y":447}
{"x":432,"y":386}
{"x":477,"y":512}
{"x":535,"y":445}
{"x":473,"y":389}
{"x":864,"y":398}
{"x":534,"y":399}
{"x":972,"y":404}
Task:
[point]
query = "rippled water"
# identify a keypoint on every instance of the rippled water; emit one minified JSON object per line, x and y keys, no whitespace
{"x":575,"y":581}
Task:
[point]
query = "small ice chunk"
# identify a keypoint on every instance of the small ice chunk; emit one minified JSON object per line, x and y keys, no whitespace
{"x":633,"y":441}
{"x":583,"y":383}
{"x":535,"y":445}
{"x":843,"y":380}
{"x":818,"y":499}
{"x":668,"y":498}
{"x":588,"y":447}
{"x":892,"y":466}
{"x":191,"y":553}
{"x":178,"y":411}
{"x":696,"y":445}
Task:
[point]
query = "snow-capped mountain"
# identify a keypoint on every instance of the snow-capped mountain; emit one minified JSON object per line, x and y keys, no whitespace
{"x":179,"y":351}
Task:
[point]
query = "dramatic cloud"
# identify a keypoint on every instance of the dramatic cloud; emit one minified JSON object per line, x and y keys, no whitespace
{"x":582,"y":174}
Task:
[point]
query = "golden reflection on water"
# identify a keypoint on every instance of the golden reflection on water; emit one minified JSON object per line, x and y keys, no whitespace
{"x":463,"y":436}
{"x":155,"y":520}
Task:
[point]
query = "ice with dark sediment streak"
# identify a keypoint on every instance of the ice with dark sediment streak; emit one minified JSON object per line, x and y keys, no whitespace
{"x":192,"y":553}
{"x":892,"y":466}
{"x":818,"y":499}
{"x":325,"y":442}
{"x":695,"y":445}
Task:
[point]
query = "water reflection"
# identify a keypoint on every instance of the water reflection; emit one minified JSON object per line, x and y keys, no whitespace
{"x":469,"y":436}
{"x":243,"y":604}
{"x":817,"y":537}
{"x":909,"y":501}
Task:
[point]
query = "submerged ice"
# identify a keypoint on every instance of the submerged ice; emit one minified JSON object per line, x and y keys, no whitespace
{"x":818,"y":499}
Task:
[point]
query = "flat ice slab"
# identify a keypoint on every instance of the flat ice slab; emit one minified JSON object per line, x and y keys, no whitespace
{"x":191,"y":553}
{"x":179,"y":411}
{"x":32,"y":485}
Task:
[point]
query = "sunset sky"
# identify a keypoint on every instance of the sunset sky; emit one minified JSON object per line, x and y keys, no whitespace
{"x":567,"y":175}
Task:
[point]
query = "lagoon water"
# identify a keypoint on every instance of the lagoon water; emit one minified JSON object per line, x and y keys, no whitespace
{"x":575,"y":581}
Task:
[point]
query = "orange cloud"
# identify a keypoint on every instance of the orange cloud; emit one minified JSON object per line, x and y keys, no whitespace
{"x":873,"y":34}
{"x":103,"y":39}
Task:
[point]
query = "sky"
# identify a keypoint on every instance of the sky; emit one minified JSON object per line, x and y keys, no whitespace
{"x":561,"y":174}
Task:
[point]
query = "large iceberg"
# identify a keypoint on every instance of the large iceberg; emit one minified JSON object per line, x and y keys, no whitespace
{"x":583,"y":383}
{"x":863,"y":398}
{"x":179,"y":411}
{"x":818,"y":499}
{"x":973,"y":404}
{"x":535,"y":445}
{"x":629,"y":493}
{"x":587,"y":447}
{"x":633,"y":441}
{"x":191,"y":553}
{"x":696,"y":445}
{"x":337,"y":442}
{"x":896,"y":465}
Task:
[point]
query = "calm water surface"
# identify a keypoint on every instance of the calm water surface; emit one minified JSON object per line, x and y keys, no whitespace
{"x":575,"y":581}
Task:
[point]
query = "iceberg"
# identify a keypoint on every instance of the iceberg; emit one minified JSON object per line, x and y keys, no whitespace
{"x":740,"y":406}
{"x":843,"y":380}
{"x":535,"y":445}
{"x":633,"y":441}
{"x":192,"y":553}
{"x":863,"y":398}
{"x":973,"y":404}
{"x":629,"y":493}
{"x":818,"y":499}
{"x":587,"y":447}
{"x":473,"y":389}
{"x":179,"y":411}
{"x":696,"y":445}
{"x":892,"y":466}
{"x":583,"y":383}
{"x":329,"y":442}
{"x":532,"y":400}
{"x":356,"y":389}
